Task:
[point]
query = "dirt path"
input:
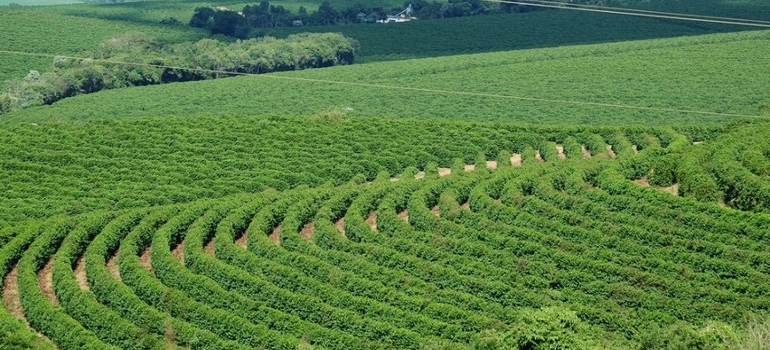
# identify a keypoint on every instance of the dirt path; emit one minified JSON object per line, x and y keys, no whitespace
{"x":112,"y":266}
{"x":275,"y":236}
{"x":491,"y":164}
{"x":560,"y":150}
{"x":697,"y":143}
{"x":610,"y":151}
{"x":242,"y":240}
{"x":45,"y":280}
{"x":420,"y":175}
{"x":371,"y":220}
{"x":340,"y":225}
{"x":12,"y":301}
{"x":436,"y":211}
{"x":585,"y":152}
{"x":469,"y":167}
{"x":538,"y":157}
{"x":178,"y":252}
{"x":404,"y":215}
{"x":209,"y":248}
{"x":636,"y":150}
{"x":444,"y":171}
{"x":516,"y":159}
{"x":394,"y":179}
{"x":80,"y":273}
{"x":307,"y":230}
{"x":673,"y":189}
{"x":466,"y":205}
{"x":11,"y":294}
{"x":145,"y":261}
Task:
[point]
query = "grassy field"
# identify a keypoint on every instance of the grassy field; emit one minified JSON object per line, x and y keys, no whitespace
{"x":716,"y":73}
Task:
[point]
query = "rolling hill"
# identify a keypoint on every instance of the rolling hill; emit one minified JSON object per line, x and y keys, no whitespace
{"x":655,"y":82}
{"x":547,"y":180}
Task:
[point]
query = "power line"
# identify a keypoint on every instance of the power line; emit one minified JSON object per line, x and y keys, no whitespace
{"x":392,"y":87}
{"x":632,"y":10}
{"x":638,"y":13}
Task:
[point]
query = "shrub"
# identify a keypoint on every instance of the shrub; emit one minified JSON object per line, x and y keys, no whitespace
{"x":547,"y":328}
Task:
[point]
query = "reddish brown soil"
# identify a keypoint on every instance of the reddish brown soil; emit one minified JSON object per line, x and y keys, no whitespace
{"x":469,"y":168}
{"x":435,"y":211}
{"x":307,"y":230}
{"x":610,"y":151}
{"x":80,"y":273}
{"x":538,"y":157}
{"x":112,"y":265}
{"x":11,"y":294}
{"x":12,"y":301}
{"x":404,"y":215}
{"x":586,"y":154}
{"x":275,"y":236}
{"x":673,"y":189}
{"x":491,"y":164}
{"x":178,"y":253}
{"x":516,"y":159}
{"x":144,"y":259}
{"x":242,"y":240}
{"x":45,"y":280}
{"x":209,"y":248}
{"x":560,"y":150}
{"x":371,"y":220}
{"x":340,"y":225}
{"x":444,"y":171}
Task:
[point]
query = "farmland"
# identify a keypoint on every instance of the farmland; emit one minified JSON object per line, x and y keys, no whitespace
{"x":55,"y":34}
{"x":397,"y":256}
{"x":79,"y":29}
{"x":521,"y":182}
{"x":659,"y":74}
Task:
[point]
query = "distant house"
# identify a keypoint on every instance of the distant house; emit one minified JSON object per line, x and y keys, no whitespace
{"x":398,"y":19}
{"x":222,"y":8}
{"x":404,"y":16}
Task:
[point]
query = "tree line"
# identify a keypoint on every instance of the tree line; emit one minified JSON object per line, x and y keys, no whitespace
{"x":152,"y":63}
{"x":251,"y":18}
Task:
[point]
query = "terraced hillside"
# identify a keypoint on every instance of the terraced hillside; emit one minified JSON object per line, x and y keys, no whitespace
{"x":557,"y":238}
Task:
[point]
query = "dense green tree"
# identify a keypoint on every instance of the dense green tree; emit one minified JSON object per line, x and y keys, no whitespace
{"x":202,"y":17}
{"x":229,"y":23}
{"x":325,"y":15}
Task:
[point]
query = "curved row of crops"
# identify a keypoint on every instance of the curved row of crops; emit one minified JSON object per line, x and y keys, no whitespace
{"x":76,"y":167}
{"x":477,"y":259}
